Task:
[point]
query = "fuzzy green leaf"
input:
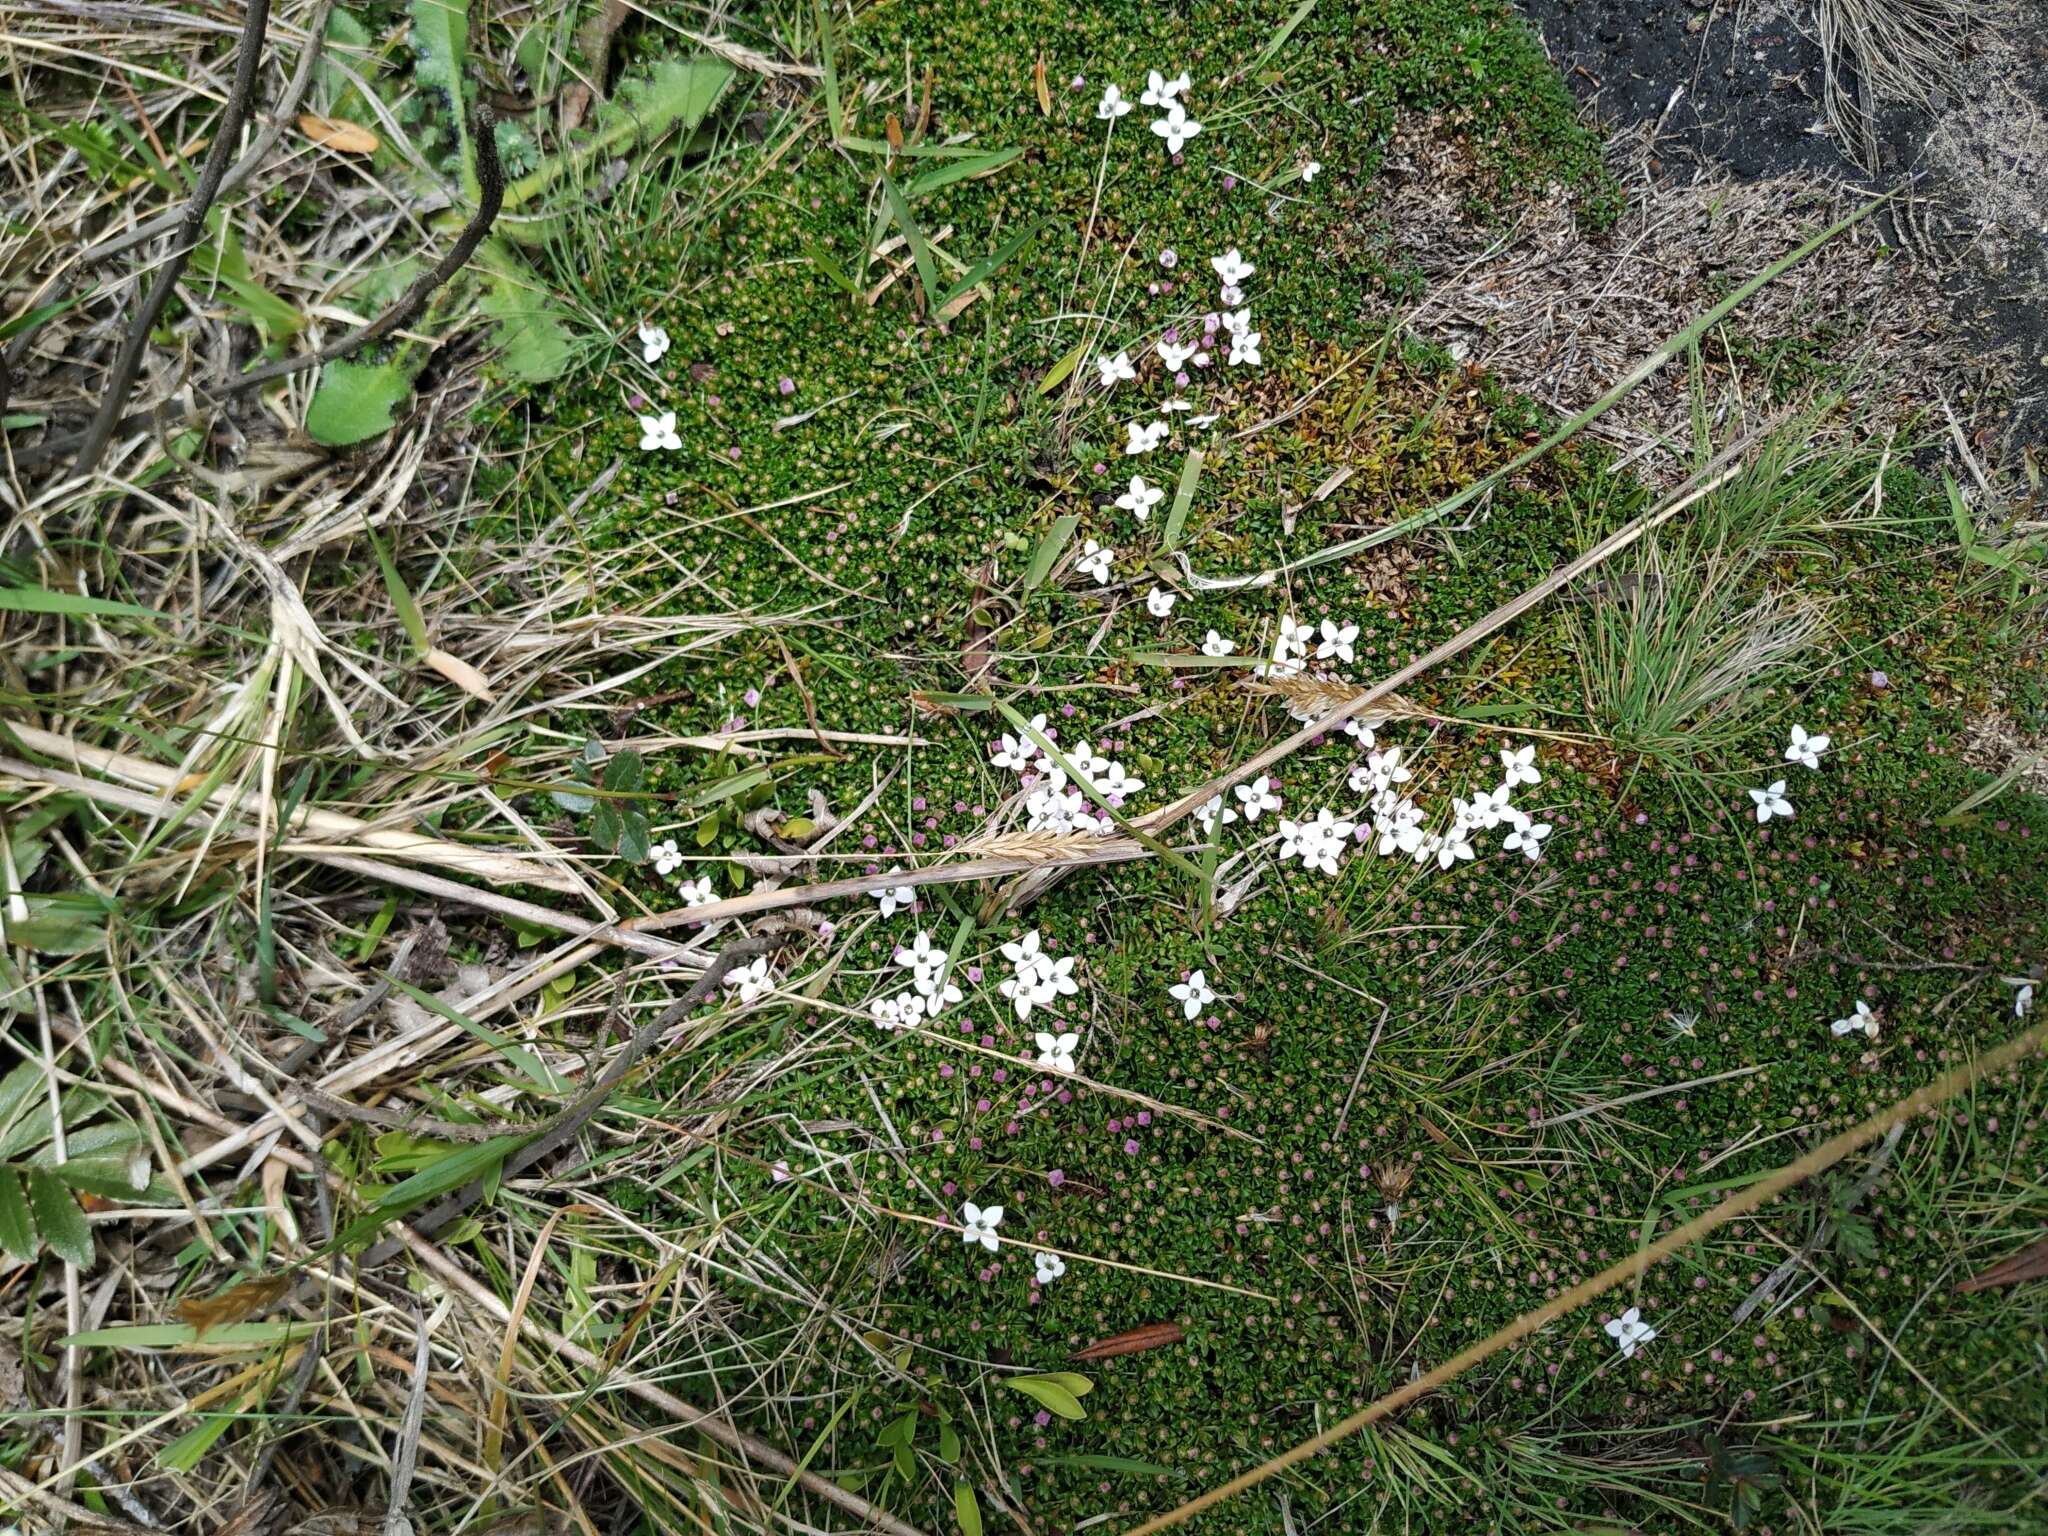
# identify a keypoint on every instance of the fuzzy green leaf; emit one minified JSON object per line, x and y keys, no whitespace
{"x":354,"y":401}
{"x":17,"y":1227}
{"x":59,"y":1219}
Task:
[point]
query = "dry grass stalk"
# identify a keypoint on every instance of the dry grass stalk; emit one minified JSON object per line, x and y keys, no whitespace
{"x":310,"y":821}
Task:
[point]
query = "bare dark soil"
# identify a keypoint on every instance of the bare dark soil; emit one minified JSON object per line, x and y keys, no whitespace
{"x":1740,"y":87}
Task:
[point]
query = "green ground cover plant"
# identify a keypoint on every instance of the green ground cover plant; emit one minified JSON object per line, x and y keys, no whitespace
{"x":945,"y":453}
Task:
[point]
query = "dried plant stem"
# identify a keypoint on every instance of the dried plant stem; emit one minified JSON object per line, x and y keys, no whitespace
{"x":683,"y":1416}
{"x":568,"y":1125}
{"x":491,"y":185}
{"x":326,"y":826}
{"x":1755,"y":1197}
{"x":128,"y":361}
{"x":259,"y":148}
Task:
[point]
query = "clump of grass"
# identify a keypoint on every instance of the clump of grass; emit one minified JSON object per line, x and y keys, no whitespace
{"x":1704,"y":632}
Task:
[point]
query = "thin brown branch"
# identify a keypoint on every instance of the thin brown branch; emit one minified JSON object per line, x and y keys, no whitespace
{"x":1755,"y":1197}
{"x":490,"y":175}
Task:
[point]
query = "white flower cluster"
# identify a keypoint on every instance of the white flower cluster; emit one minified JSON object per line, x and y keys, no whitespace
{"x":1802,"y":749}
{"x":931,"y":985}
{"x":1398,"y":822}
{"x":1176,"y":127}
{"x":1052,"y":802}
{"x":1035,"y":978}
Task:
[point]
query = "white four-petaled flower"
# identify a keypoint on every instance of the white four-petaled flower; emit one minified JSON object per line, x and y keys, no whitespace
{"x":1175,"y":356}
{"x":653,"y":342}
{"x":893,"y":896}
{"x":1140,"y":499}
{"x":1518,"y":765}
{"x":1771,"y":802}
{"x":1527,"y":835}
{"x":698,"y":892}
{"x":1337,"y":641}
{"x":1159,"y":90}
{"x":1112,"y":106}
{"x":1193,"y":995}
{"x":1144,"y":436}
{"x":667,"y":857}
{"x":1630,"y":1332}
{"x":751,"y":980}
{"x":1057,"y":1051}
{"x":1047,"y":1267}
{"x":1257,"y":797}
{"x":1804,"y":749}
{"x":1176,"y":128}
{"x":1213,"y":812}
{"x":1214,"y":644}
{"x":978,"y":1225}
{"x":1114,"y":370}
{"x":1231,"y":267}
{"x":659,"y":432}
{"x":1159,"y":602}
{"x":1094,"y":561}
{"x":1862,"y":1019}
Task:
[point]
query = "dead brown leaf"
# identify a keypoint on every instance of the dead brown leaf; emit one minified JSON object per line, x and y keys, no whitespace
{"x":341,"y":137}
{"x":1136,"y":1341}
{"x":2030,"y":1263}
{"x":236,"y":1304}
{"x":1038,"y":84}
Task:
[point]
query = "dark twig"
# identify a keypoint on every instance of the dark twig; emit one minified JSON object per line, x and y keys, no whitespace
{"x":259,"y":147}
{"x":566,"y":1126}
{"x":128,"y":362}
{"x":490,"y":177}
{"x":491,"y":182}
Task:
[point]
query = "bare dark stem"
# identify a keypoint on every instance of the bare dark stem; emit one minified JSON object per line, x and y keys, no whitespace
{"x":491,"y":183}
{"x":121,"y":377}
{"x":491,"y":180}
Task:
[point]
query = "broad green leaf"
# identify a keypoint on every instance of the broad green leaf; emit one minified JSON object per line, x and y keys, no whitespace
{"x":967,"y":1509}
{"x":1057,"y":374}
{"x":1183,"y":495}
{"x":440,"y":45}
{"x":59,"y":1219}
{"x":185,"y":1452}
{"x":1049,"y":1393}
{"x":949,"y":1445}
{"x":17,"y":1227}
{"x":531,"y":333}
{"x":1049,"y":549}
{"x":1073,"y":1381}
{"x":354,"y":401}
